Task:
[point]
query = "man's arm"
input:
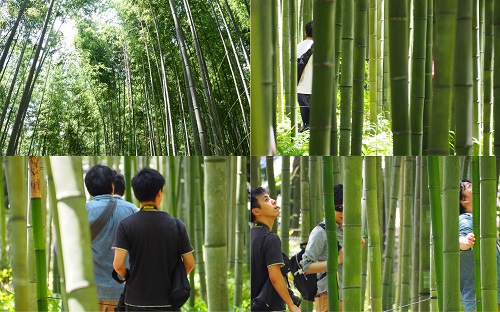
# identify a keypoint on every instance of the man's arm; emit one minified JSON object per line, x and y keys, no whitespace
{"x":119,"y":262}
{"x":188,"y":262}
{"x":279,"y":284}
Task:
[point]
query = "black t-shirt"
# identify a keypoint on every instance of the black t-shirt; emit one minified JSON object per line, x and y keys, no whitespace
{"x":265,"y":251}
{"x":152,"y":241}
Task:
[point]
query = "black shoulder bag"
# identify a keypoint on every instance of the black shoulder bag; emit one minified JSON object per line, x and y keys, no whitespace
{"x":97,"y":226}
{"x":180,"y":288}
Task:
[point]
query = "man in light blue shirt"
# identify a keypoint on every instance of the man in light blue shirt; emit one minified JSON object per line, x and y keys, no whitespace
{"x":99,"y":181}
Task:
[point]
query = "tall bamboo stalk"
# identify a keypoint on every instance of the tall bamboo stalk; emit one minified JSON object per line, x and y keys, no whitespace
{"x":488,"y":232}
{"x":38,"y":232}
{"x":487,"y":75}
{"x":398,"y":68}
{"x":446,"y":21}
{"x":351,"y":226}
{"x":346,"y":77}
{"x":496,"y":82}
{"x":215,"y":233}
{"x":463,"y":79}
{"x":390,"y":234}
{"x":74,"y":233}
{"x":17,"y":190}
{"x":417,"y":88}
{"x":241,"y":217}
{"x":405,"y":236}
{"x":358,"y":90}
{"x":331,"y":232}
{"x":437,"y":221}
{"x":261,"y":70}
{"x":429,"y":71}
{"x":324,"y":71}
{"x":293,"y":68}
{"x":476,"y":213}
{"x":374,"y":249}
{"x":285,"y":204}
{"x":424,"y":281}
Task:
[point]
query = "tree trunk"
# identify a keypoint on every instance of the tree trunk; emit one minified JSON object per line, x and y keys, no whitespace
{"x":215,"y":234}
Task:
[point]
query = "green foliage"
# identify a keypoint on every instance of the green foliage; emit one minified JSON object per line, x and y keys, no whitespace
{"x":287,"y":145}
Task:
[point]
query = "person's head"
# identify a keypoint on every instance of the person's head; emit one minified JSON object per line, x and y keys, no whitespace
{"x":262,"y":206}
{"x":119,"y":184}
{"x":100,"y":180}
{"x":465,"y":196}
{"x":147,"y":185}
{"x":309,"y":29}
{"x":338,"y":194}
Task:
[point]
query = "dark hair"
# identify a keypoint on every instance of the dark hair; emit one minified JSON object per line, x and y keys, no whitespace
{"x":309,"y":29}
{"x":99,"y":180}
{"x":338,"y":193}
{"x":464,"y":184}
{"x":119,"y":184}
{"x":254,"y":202}
{"x":146,"y":184}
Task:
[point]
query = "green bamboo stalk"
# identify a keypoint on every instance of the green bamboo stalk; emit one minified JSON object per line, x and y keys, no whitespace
{"x":305,"y":208}
{"x":38,"y":233}
{"x":415,"y":249}
{"x":351,"y":226}
{"x":406,"y":237}
{"x":58,"y":268}
{"x":346,"y":78}
{"x":424,"y":282}
{"x":496,"y":82}
{"x":307,"y":13}
{"x":215,"y":234}
{"x":386,"y":105}
{"x":436,"y":222}
{"x":17,"y":189}
{"x":390,"y":234}
{"x":451,"y":248}
{"x":315,"y":191}
{"x":334,"y":136}
{"x":3,"y":228}
{"x":398,"y":68}
{"x":74,"y":236}
{"x":190,"y":208}
{"x":446,"y":21}
{"x":199,"y":229}
{"x":476,"y":64}
{"x":373,"y":65}
{"x":261,"y":70}
{"x":331,"y":232}
{"x":128,"y":177}
{"x":285,"y":205}
{"x":429,"y":63}
{"x":285,"y":58}
{"x":463,"y":79}
{"x":241,"y":217}
{"x":487,"y":76}
{"x":293,"y":68}
{"x":324,"y":71}
{"x":488,"y":232}
{"x":254,"y":171}
{"x":374,"y":242}
{"x":271,"y":184}
{"x":358,"y":88}
{"x":417,"y":87}
{"x":476,"y":217}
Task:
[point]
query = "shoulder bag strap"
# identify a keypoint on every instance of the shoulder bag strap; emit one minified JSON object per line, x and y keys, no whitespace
{"x":97,"y":226}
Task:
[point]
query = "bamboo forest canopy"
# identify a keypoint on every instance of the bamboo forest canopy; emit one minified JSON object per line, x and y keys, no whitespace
{"x":139,"y":77}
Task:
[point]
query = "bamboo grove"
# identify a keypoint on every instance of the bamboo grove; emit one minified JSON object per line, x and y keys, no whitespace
{"x":138,"y":78}
{"x":45,"y":234}
{"x":422,"y":71}
{"x":407,"y":211}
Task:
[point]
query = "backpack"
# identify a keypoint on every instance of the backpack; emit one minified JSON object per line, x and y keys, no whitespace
{"x":306,"y":284}
{"x":302,"y":62}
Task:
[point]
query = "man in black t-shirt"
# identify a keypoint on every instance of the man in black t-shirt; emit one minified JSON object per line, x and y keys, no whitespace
{"x":266,"y":256}
{"x":152,"y":240}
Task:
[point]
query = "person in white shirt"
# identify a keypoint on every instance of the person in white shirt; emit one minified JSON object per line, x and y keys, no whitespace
{"x":304,"y":87}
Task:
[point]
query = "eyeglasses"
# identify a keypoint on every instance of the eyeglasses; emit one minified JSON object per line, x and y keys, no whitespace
{"x":339,"y":208}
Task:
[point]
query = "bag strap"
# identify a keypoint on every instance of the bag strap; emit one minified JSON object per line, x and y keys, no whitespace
{"x":97,"y":226}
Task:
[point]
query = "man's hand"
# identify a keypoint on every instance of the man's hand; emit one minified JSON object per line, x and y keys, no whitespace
{"x":362,"y":241}
{"x":294,"y":308}
{"x":341,"y":255}
{"x":467,"y":241}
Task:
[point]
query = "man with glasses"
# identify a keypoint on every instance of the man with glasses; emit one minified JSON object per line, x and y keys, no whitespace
{"x":315,"y":255}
